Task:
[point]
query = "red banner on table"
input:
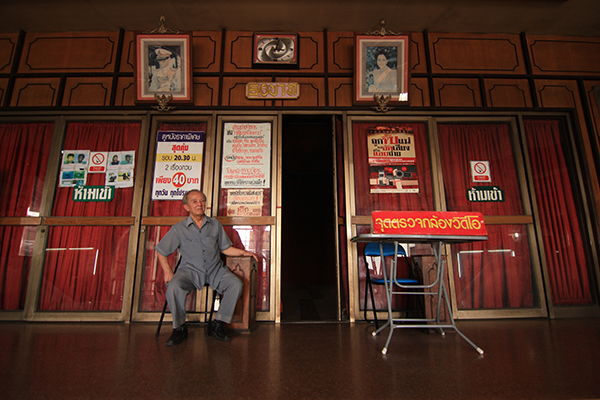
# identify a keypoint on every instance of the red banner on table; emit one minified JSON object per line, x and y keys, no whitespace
{"x":428,"y":223}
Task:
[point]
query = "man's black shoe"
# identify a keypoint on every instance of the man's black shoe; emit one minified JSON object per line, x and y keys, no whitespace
{"x":178,"y":335}
{"x":215,"y":329}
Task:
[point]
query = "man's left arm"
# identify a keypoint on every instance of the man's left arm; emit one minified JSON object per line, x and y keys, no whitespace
{"x":235,"y":252}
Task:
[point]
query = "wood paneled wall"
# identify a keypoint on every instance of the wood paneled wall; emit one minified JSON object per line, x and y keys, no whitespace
{"x":95,"y":69}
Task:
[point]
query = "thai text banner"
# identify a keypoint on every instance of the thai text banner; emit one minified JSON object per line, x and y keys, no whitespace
{"x":428,"y":223}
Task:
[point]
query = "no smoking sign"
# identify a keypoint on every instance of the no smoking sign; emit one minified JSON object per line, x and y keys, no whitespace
{"x":97,"y":162}
{"x":480,"y":171}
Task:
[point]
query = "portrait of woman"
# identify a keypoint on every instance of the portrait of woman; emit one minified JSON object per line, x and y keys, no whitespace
{"x":382,"y":68}
{"x":383,"y":76}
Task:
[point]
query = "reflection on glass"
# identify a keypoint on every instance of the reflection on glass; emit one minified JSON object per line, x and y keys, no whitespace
{"x":153,"y":284}
{"x":84,"y":268}
{"x":497,"y":273}
{"x":16,"y":248}
{"x":256,"y":239}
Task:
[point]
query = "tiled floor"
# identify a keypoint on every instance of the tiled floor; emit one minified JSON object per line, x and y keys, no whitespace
{"x":524,"y":359}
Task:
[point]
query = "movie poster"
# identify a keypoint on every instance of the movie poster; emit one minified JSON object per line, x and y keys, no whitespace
{"x":392,"y":160}
{"x":246,"y":159}
{"x":178,"y":166}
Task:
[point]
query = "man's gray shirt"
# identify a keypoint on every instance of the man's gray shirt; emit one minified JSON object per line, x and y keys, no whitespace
{"x":200,"y":248}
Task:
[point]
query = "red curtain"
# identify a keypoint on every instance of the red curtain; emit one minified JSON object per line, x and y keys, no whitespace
{"x":85,"y":265}
{"x":563,"y":244}
{"x":23,"y":162}
{"x":496,"y":273}
{"x":367,"y":202}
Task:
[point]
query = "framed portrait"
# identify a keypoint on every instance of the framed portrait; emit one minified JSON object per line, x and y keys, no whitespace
{"x":381,"y":68}
{"x":163,"y":67}
{"x":275,"y":50}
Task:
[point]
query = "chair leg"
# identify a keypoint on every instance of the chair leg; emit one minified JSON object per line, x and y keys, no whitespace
{"x":420,"y":299}
{"x":374,"y":307}
{"x":212,"y":305}
{"x":162,"y":316}
{"x":369,"y":286}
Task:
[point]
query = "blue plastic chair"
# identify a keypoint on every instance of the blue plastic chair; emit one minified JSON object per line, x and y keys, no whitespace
{"x":373,"y":250}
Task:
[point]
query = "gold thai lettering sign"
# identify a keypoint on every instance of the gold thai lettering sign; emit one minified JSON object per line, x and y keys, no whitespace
{"x":428,"y":223}
{"x":272,"y":90}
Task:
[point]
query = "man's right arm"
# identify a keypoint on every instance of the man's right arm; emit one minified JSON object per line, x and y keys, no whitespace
{"x":164,"y":263}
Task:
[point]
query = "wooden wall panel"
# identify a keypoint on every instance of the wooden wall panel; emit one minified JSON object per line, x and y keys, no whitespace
{"x":69,"y":52}
{"x":508,"y":93}
{"x":206,"y":91}
{"x":8,"y":47}
{"x":419,"y":92}
{"x":312,"y":93}
{"x":35,"y":92}
{"x":341,"y":92}
{"x":128,"y":55}
{"x":234,"y":92}
{"x":3,"y":86}
{"x":238,"y":51}
{"x":594,"y":102}
{"x":340,"y":46}
{"x":555,"y":93}
{"x":417,"y":57}
{"x":92,"y":92}
{"x":206,"y":51}
{"x":312,"y":52}
{"x":457,"y":92}
{"x":564,"y":56}
{"x":125,"y":96}
{"x":469,"y":53}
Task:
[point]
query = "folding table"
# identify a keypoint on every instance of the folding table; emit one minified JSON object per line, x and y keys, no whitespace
{"x":437,"y":242}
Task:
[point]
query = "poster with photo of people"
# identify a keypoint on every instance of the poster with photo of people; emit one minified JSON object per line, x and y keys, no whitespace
{"x":119,"y":170}
{"x":73,"y":168}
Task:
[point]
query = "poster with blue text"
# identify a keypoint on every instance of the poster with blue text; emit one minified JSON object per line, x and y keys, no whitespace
{"x":178,"y":166}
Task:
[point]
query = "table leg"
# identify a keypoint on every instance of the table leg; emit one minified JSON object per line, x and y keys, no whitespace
{"x":443,"y":292}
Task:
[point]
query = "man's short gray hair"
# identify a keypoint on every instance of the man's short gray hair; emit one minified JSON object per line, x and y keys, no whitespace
{"x":185,"y":196}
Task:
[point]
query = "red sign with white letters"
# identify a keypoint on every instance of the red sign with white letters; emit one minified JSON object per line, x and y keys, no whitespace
{"x":428,"y":223}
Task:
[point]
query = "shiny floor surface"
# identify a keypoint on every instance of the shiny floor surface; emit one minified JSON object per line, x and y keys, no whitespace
{"x":524,"y":359}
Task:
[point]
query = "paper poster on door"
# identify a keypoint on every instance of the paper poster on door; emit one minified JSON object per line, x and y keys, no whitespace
{"x":246,"y":159}
{"x":244,"y":202}
{"x":392,"y":160}
{"x":480,"y":171}
{"x":74,"y":168}
{"x":178,"y":165}
{"x":120,"y":168}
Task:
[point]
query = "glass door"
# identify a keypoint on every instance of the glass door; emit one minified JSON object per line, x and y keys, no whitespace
{"x":482,"y":171}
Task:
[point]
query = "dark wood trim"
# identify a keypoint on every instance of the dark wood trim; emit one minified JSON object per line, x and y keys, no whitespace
{"x":507,"y":219}
{"x":67,"y":221}
{"x":151,"y":221}
{"x":26,"y":221}
{"x":154,"y":221}
{"x":247,"y":220}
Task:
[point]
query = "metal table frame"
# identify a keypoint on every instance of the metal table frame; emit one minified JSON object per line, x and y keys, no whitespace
{"x":437,"y":242}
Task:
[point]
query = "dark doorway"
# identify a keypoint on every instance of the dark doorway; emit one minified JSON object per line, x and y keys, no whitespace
{"x":308,"y":240}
